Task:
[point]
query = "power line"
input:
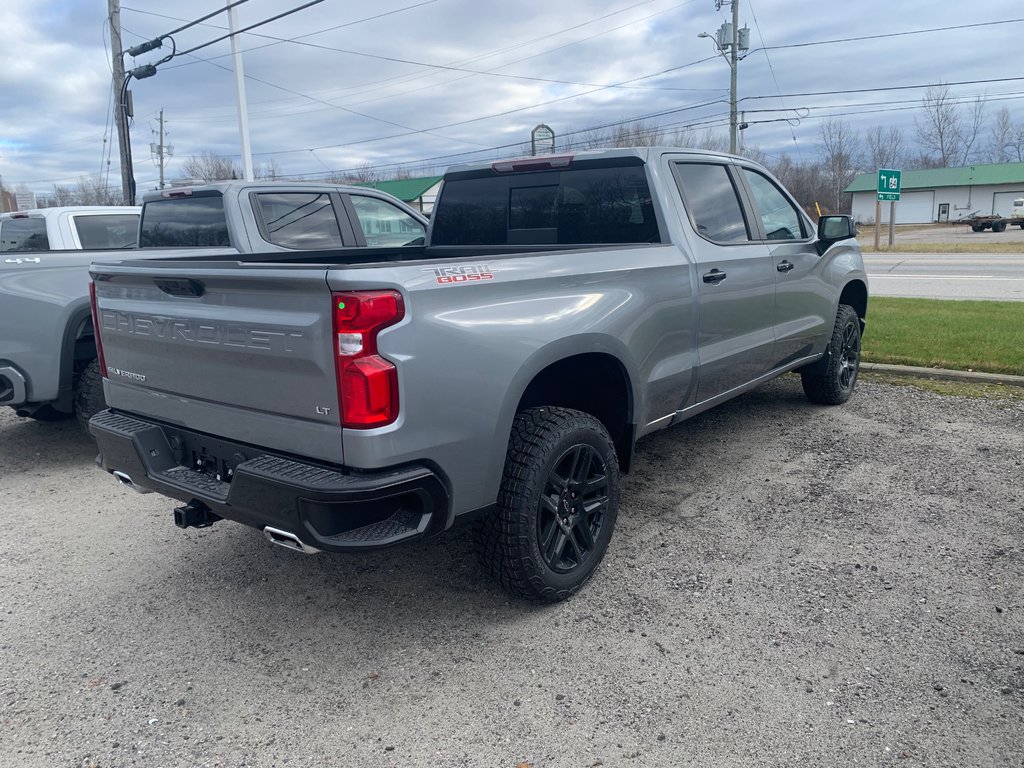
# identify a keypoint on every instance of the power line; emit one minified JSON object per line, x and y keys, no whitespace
{"x":252,"y":26}
{"x":958,"y":28}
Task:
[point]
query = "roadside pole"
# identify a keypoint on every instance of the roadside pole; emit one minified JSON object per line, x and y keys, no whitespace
{"x":878,"y":222}
{"x":890,"y":182}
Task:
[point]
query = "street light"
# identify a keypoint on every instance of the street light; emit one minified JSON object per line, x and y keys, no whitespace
{"x":729,"y":42}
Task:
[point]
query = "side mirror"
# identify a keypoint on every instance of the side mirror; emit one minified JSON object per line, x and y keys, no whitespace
{"x":832,"y":229}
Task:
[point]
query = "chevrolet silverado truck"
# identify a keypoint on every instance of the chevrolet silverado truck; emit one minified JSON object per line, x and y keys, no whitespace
{"x":48,"y":367}
{"x":561,"y":308}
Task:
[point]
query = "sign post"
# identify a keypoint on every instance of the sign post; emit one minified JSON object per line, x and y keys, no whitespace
{"x":542,"y":141}
{"x":890,"y":181}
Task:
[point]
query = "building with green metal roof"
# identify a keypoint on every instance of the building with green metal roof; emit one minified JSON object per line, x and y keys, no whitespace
{"x":420,"y":193}
{"x":943,"y":194}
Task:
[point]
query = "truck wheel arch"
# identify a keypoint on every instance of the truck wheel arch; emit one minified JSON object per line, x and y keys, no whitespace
{"x":77,"y":350}
{"x":855,"y":294}
{"x":596,"y":382}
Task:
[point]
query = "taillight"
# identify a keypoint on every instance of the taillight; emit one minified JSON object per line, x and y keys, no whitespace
{"x":367,"y":383}
{"x":96,"y":329}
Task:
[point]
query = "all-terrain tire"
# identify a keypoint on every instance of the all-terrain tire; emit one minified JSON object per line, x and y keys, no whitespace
{"x":835,"y":385}
{"x":557,"y":505}
{"x":89,"y":394}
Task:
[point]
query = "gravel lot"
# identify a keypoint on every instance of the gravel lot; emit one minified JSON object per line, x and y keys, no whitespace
{"x":789,"y":585}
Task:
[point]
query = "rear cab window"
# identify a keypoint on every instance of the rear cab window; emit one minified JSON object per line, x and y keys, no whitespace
{"x":588,"y":202}
{"x":189,"y":221}
{"x":27,"y":234}
{"x":107,"y":230}
{"x":305,"y":220}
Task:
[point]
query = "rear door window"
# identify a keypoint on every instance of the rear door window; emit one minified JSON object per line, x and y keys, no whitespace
{"x":24,"y":235}
{"x":195,"y":221}
{"x":108,"y":230}
{"x":601,"y":205}
{"x":385,"y":225}
{"x":299,"y":220}
{"x":712,"y":202}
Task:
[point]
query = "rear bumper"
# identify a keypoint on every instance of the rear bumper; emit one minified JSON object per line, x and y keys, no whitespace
{"x":330,"y":509}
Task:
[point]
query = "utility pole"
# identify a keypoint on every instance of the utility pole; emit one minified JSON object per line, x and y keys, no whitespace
{"x":730,"y":42}
{"x":733,"y":50}
{"x":161,"y":151}
{"x":120,"y":107}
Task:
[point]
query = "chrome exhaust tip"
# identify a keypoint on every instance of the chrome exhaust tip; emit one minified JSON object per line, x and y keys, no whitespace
{"x":288,"y":540}
{"x":125,"y":479}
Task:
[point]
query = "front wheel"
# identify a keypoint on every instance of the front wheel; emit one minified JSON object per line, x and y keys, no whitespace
{"x":557,"y":505}
{"x":835,"y":384}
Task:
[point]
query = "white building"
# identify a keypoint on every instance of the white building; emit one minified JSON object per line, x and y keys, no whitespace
{"x":943,"y":194}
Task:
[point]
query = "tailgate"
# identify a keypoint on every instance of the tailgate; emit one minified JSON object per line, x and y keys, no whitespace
{"x":239,"y":352}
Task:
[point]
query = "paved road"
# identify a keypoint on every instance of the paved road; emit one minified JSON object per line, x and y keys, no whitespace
{"x":788,"y":585}
{"x":947,"y":275}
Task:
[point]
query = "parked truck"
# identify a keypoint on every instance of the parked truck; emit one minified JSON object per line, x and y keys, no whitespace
{"x":561,"y":308}
{"x":67,"y":228}
{"x":48,"y":367}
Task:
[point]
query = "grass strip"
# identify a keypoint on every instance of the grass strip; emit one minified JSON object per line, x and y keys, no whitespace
{"x":938,"y":333}
{"x":972,"y":247}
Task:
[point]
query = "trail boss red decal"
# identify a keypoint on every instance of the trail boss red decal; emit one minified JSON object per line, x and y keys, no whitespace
{"x":470,"y":273}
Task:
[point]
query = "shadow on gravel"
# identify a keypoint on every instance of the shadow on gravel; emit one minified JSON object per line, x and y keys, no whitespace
{"x":26,"y":444}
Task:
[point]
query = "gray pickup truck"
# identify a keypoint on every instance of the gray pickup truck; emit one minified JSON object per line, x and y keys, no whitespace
{"x":48,"y":367}
{"x":562,"y":308}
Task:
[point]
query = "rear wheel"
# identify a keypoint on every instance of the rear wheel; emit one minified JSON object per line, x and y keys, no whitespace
{"x":557,"y":505}
{"x":999,"y":226}
{"x":835,"y":384}
{"x":977,"y":228}
{"x":89,"y":394}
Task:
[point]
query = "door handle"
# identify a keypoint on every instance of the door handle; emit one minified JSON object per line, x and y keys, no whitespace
{"x":714,"y":277}
{"x":784,"y":266}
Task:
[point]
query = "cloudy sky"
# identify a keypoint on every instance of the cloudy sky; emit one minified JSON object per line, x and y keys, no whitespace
{"x":425,"y":83}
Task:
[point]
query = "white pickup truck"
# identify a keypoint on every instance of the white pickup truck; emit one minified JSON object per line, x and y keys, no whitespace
{"x":67,"y":228}
{"x":48,"y":366}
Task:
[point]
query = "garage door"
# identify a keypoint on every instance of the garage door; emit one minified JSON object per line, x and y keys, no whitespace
{"x":913,"y":208}
{"x":1002,"y":202}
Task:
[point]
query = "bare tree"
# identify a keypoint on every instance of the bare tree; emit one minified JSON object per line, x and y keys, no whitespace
{"x":884,"y":148}
{"x":839,"y":145}
{"x":639,"y":133}
{"x":1001,"y":136}
{"x":948,"y":137}
{"x":365,"y":172}
{"x":209,"y":166}
{"x":712,"y":140}
{"x":269,"y":170}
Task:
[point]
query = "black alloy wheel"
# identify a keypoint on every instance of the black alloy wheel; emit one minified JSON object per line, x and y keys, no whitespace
{"x":572,"y":508}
